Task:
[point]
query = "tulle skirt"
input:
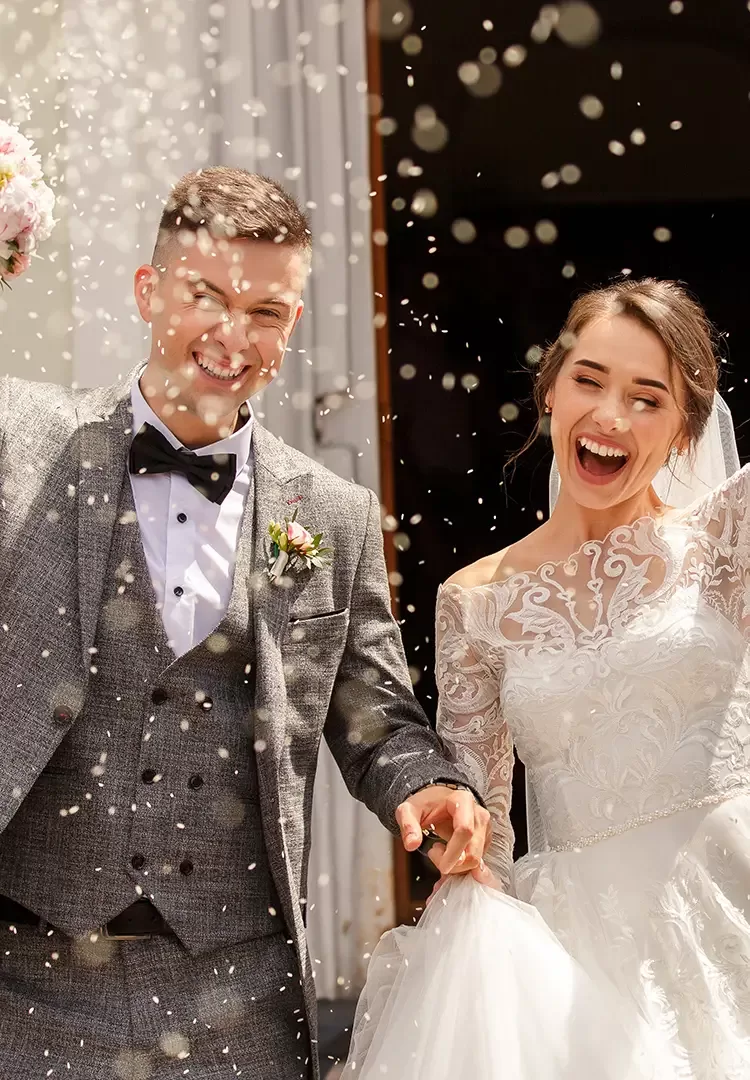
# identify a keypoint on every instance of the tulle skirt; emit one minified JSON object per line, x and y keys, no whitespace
{"x":481,"y":989}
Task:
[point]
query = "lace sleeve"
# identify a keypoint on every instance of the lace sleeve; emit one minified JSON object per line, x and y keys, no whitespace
{"x":723,"y":521}
{"x":470,"y":722}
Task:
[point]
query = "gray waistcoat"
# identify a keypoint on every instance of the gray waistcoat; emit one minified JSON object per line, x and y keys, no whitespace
{"x":154,"y":790}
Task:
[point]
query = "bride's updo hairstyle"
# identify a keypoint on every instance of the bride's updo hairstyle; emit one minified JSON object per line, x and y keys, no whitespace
{"x":665,"y":308}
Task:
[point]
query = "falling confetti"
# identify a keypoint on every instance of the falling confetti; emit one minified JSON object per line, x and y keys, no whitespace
{"x":516,"y":236}
{"x":545,"y":232}
{"x":577,"y":24}
{"x":425,"y":203}
{"x":570,"y":174}
{"x":464,"y":230}
{"x":591,"y":107}
{"x":514,"y":56}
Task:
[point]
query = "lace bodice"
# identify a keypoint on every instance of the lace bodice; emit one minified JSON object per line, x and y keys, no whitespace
{"x":621,"y":675}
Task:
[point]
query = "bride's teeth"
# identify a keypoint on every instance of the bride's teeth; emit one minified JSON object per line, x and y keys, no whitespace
{"x":602,"y":451}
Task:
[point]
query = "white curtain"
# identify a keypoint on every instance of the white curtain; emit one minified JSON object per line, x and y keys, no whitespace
{"x":144,"y":92}
{"x":293,"y":104}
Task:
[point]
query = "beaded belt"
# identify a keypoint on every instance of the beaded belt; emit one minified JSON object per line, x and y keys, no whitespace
{"x":646,"y":819}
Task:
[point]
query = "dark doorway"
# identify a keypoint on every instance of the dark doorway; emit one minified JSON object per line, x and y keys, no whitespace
{"x":675,"y":205}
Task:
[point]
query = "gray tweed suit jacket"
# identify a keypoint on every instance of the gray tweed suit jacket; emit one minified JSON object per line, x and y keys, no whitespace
{"x":329,"y":658}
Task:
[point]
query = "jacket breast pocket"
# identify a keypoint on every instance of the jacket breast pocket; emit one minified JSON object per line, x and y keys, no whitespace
{"x":329,"y":626}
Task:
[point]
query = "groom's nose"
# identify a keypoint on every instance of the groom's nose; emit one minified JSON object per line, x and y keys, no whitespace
{"x":233,"y":333}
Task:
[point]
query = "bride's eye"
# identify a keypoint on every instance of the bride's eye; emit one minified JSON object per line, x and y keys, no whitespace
{"x":649,"y":403}
{"x":583,"y":380}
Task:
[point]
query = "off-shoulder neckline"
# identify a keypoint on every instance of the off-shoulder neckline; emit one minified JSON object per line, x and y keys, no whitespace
{"x":680,"y":518}
{"x":587,"y":547}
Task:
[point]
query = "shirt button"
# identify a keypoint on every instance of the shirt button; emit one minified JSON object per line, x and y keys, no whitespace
{"x":195,"y":782}
{"x":149,"y":775}
{"x":138,"y":861}
{"x":62,"y":715}
{"x":182,"y":518}
{"x":159,"y":695}
{"x":186,"y":867}
{"x":178,"y":590}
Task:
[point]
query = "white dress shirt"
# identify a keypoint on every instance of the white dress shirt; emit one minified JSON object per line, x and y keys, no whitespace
{"x":190,"y":543}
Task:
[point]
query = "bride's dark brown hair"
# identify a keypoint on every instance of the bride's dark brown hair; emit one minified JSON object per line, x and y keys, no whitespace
{"x":665,"y":308}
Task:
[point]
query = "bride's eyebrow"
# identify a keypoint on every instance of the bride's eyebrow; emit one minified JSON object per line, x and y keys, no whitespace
{"x":605,"y":371}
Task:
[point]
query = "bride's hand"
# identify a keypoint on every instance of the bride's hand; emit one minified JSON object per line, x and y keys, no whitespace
{"x":481,"y":873}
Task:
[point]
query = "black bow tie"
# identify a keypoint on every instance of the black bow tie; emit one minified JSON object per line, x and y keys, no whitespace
{"x":213,"y":475}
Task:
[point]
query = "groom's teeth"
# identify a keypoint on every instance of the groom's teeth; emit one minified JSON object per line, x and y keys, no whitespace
{"x":217,"y":372}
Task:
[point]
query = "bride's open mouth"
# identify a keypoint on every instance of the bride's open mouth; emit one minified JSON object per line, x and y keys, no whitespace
{"x":218,"y":372}
{"x":600,"y":462}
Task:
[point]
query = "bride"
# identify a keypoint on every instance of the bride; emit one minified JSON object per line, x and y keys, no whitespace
{"x":610,"y":647}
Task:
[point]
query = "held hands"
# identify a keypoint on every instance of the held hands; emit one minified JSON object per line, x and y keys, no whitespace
{"x":456,"y":817}
{"x":481,"y":873}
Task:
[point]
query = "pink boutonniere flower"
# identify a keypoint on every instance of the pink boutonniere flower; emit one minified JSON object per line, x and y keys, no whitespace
{"x":295,"y":548}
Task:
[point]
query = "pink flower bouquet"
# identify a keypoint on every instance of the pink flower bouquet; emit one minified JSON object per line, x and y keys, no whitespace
{"x":26,"y":203}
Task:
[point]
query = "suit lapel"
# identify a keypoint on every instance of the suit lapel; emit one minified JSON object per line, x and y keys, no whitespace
{"x":279,"y":484}
{"x":104,"y":441}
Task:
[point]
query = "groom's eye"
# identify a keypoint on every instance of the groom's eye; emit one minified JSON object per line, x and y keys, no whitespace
{"x":207,"y":302}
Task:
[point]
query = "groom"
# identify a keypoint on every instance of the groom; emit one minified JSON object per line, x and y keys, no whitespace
{"x":163,"y":697}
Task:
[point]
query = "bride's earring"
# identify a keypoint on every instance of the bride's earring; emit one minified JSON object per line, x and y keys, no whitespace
{"x":547,"y":409}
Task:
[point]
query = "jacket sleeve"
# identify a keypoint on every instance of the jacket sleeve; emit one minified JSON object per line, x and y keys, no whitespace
{"x":376,"y":729}
{"x":3,"y":410}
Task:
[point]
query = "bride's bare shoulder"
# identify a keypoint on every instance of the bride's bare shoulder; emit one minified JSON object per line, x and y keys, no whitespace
{"x":526,"y":554}
{"x":481,"y":572}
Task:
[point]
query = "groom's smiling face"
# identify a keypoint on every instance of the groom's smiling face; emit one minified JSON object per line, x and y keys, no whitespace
{"x":221,"y":315}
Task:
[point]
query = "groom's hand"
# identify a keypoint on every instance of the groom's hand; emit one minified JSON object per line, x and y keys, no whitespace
{"x":455,"y":816}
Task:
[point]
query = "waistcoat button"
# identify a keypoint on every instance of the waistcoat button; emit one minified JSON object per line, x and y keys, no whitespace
{"x":138,"y":861}
{"x":149,"y":775}
{"x":207,"y":704}
{"x":195,"y":782}
{"x":62,"y":715}
{"x":182,"y":518}
{"x":186,"y":867}
{"x":178,"y":590}
{"x":159,"y":695}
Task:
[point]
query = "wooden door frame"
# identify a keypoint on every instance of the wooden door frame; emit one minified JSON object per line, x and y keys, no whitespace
{"x":404,"y":904}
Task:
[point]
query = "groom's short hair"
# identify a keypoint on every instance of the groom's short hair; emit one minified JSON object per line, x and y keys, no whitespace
{"x":229,"y":203}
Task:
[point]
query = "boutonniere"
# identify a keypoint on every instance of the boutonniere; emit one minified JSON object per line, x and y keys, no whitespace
{"x":295,"y":548}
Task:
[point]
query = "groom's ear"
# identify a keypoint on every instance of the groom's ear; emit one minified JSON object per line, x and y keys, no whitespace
{"x":144,"y":286}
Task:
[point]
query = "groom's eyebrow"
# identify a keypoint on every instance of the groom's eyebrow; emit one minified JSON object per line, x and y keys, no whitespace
{"x":605,"y":370}
{"x":202,"y":283}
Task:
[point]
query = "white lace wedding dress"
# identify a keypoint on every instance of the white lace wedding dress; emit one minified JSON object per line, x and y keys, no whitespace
{"x":622,"y":677}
